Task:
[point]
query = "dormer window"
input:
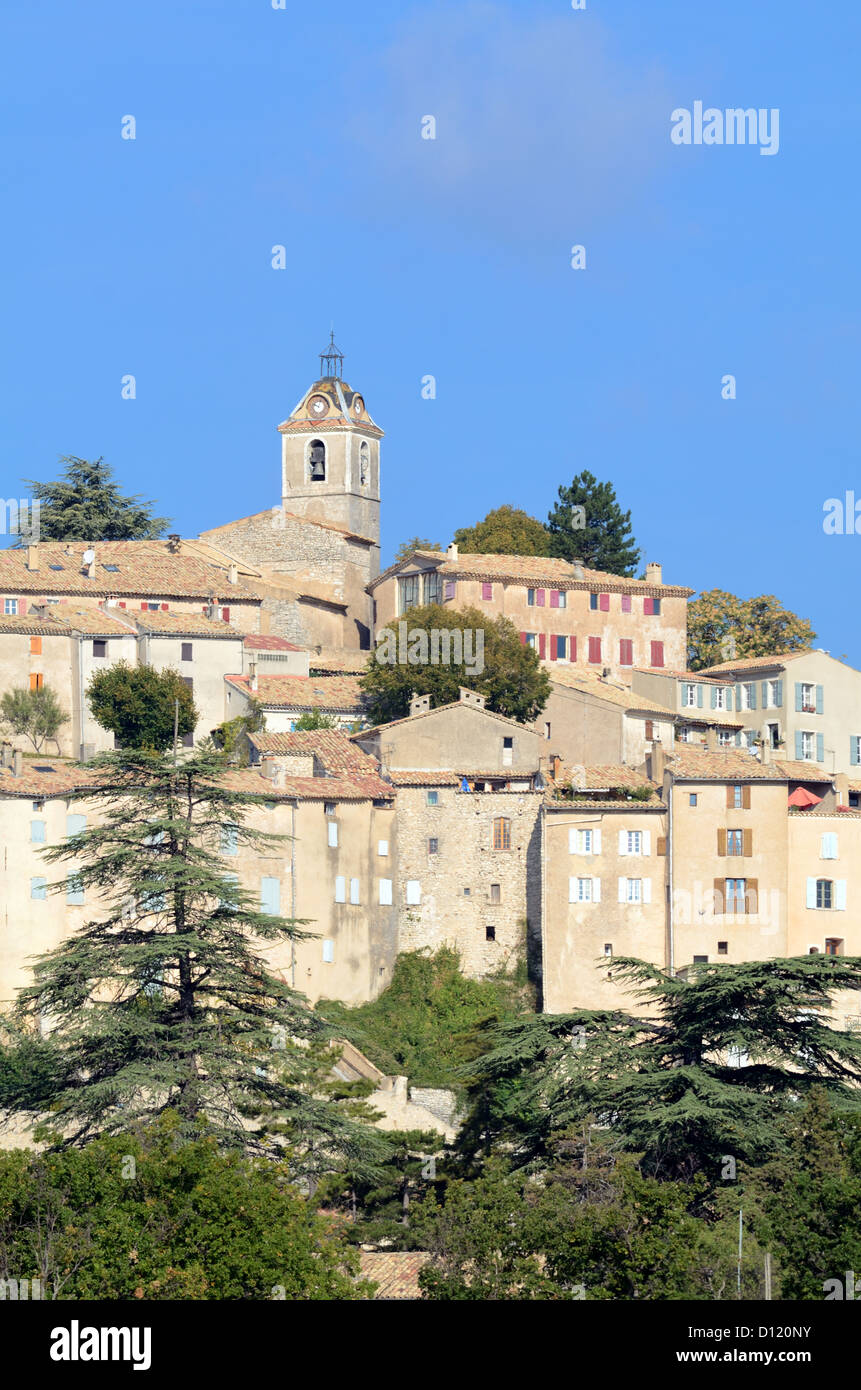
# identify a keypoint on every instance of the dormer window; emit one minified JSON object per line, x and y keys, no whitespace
{"x":317,"y":461}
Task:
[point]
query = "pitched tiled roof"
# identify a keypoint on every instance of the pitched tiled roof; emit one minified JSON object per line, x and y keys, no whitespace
{"x":601,"y":775}
{"x":341,"y":693}
{"x":24,"y":624}
{"x":691,"y":676}
{"x":721,"y":765}
{"x":536,"y":569}
{"x":395,"y":1272}
{"x":798,"y":771}
{"x":143,"y":568}
{"x":334,"y":662}
{"x":447,"y":777}
{"x":46,"y":777}
{"x":753,"y":663}
{"x":348,"y":787}
{"x":91,"y":619}
{"x":268,"y":642}
{"x":576,"y":679}
{"x":336,"y":751}
{"x":185,"y":625}
{"x":437,"y":709}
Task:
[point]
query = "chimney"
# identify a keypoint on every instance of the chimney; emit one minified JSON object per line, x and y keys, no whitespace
{"x":268,"y":768}
{"x":16,"y":763}
{"x":174,"y":543}
{"x":6,"y":755}
{"x":420,"y":704}
{"x":653,"y":573}
{"x":766,"y":753}
{"x":578,"y":570}
{"x":252,"y":677}
{"x":656,"y":762}
{"x":451,"y":553}
{"x":233,"y":574}
{"x":33,"y":557}
{"x":711,"y":739}
{"x":471,"y":697}
{"x":555,"y":766}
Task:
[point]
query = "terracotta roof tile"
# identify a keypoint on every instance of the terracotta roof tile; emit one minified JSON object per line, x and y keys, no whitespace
{"x":143,"y":568}
{"x":185,"y":625}
{"x":753,"y":663}
{"x":335,"y":662}
{"x":395,"y":1272}
{"x":336,"y":693}
{"x":269,"y":642}
{"x":575,"y":678}
{"x":336,"y":751}
{"x":536,"y":569}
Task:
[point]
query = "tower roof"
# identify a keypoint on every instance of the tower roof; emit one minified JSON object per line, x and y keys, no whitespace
{"x":333,"y":359}
{"x":330,"y":402}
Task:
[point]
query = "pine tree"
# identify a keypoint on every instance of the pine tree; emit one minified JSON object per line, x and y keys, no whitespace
{"x":599,"y":535}
{"x":86,"y":504}
{"x":167,"y":1003}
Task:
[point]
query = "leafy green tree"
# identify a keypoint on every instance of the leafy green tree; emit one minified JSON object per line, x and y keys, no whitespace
{"x":406,"y":548}
{"x":167,"y":1002}
{"x":506,"y":530}
{"x":139,"y":1216}
{"x":709,"y":1073}
{"x":509,"y":674}
{"x":599,"y":536}
{"x":431,"y":1020}
{"x":34,"y":714}
{"x":723,"y":628}
{"x":231,"y":736}
{"x":313,"y":719}
{"x":86,"y":504}
{"x":138,"y":705}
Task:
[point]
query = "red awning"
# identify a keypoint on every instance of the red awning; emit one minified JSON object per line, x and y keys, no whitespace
{"x":802,"y":797}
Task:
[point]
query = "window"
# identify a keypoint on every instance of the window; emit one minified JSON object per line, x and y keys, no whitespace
{"x":735,"y":842}
{"x":317,"y":461}
{"x":467,"y":892}
{"x":701,"y":960}
{"x":546,"y":730}
{"x":229,"y":839}
{"x":723,"y":948}
{"x":354,"y":892}
{"x":383,"y":849}
{"x":450,"y":588}
{"x":689,"y":696}
{"x":808,"y":745}
{"x":507,"y":752}
{"x":539,"y":597}
{"x":340,"y":890}
{"x":502,"y":833}
{"x":593,"y":602}
{"x":595,"y":651}
{"x":724,"y":737}
{"x":808,"y":698}
{"x":634,"y":890}
{"x":36,"y":680}
{"x":364,"y":466}
{"x":490,"y":933}
{"x":38,"y":833}
{"x":651,"y":605}
{"x":433,"y":587}
{"x":626,"y":652}
{"x":833,"y":946}
{"x":649,"y":731}
{"x":185,"y":654}
{"x":558,"y":648}
{"x":433,"y":798}
{"x":232,"y":880}
{"x":487,"y":592}
{"x":692,"y":798}
{"x":408,"y":592}
{"x":38,"y":889}
{"x":634,"y":841}
{"x":855,"y":749}
{"x":332,"y":829}
{"x":775,"y":693}
{"x":328,"y":951}
{"x":414,"y":892}
{"x":735,"y":895}
{"x":718,"y":697}
{"x":584,"y":890}
{"x":100,"y":647}
{"x":10,"y":606}
{"x":774,"y":735}
{"x":433,"y":846}
{"x":824,"y":893}
{"x":657,"y":654}
{"x":385,"y":892}
{"x":584,"y":841}
{"x":747,"y":696}
{"x":737,"y":798}
{"x":74,"y":890}
{"x":558,"y":598}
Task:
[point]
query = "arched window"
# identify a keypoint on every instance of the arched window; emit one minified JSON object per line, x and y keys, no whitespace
{"x":317,"y":461}
{"x":502,"y":833}
{"x":364,"y":463}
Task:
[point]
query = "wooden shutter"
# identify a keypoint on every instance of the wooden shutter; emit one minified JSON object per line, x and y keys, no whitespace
{"x":729,"y":797}
{"x":35,"y":646}
{"x":572,"y":655}
{"x":604,"y":603}
{"x":745,"y":796}
{"x":542,"y":645}
{"x":553,"y":645}
{"x":523,"y":639}
{"x":747,"y":843}
{"x":719,"y":887}
{"x":662,"y":845}
{"x":751,"y":895}
{"x":721,"y":844}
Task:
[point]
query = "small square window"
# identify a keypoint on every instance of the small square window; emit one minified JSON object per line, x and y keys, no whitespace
{"x":508,"y":743}
{"x":38,"y":805}
{"x":100,"y":646}
{"x":723,"y":948}
{"x":433,"y":799}
{"x":692,"y":799}
{"x":186,"y":651}
{"x":433,"y":846}
{"x":330,"y":808}
{"x":490,"y":933}
{"x":467,"y":892}
{"x":701,"y":960}
{"x":496,"y":893}
{"x":608,"y":948}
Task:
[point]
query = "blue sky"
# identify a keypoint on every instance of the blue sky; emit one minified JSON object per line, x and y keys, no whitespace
{"x":257,"y":127}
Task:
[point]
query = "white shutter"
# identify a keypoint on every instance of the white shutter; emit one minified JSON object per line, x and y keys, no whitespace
{"x":623,"y":890}
{"x":596,"y":890}
{"x":383,"y":849}
{"x":333,"y":834}
{"x":340,"y":890}
{"x":828,"y":849}
{"x":572,"y":890}
{"x":354,"y":890}
{"x":414,"y":892}
{"x":572,"y":842}
{"x":811,"y":892}
{"x":328,"y":951}
{"x":840,"y":894}
{"x":596,"y":841}
{"x":385,"y":892}
{"x":623,"y":842}
{"x":647,"y":890}
{"x":647,"y":842}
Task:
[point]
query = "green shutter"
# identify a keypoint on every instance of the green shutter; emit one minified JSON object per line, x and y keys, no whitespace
{"x":819,"y":699}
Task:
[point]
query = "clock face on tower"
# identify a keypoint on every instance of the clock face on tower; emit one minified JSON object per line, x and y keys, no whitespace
{"x":358,"y":405}
{"x":318,"y":406}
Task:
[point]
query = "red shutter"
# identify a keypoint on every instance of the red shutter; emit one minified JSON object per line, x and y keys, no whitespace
{"x":122,"y":603}
{"x":552,"y":646}
{"x":648,"y":605}
{"x":225,"y":613}
{"x":542,"y":645}
{"x":626,"y":652}
{"x":554,"y":598}
{"x":572,"y":650}
{"x":143,"y":607}
{"x":539,"y":597}
{"x":604,"y":603}
{"x":657,"y":654}
{"x":523,"y":639}
{"x":164,"y":608}
{"x":626,"y":603}
{"x":595,"y":650}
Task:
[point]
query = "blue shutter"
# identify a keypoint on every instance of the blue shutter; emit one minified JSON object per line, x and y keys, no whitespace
{"x":229,"y":839}
{"x":270,"y":896}
{"x":799,"y":750}
{"x":764,"y":692}
{"x":37,"y":832}
{"x":38,"y":888}
{"x":714,"y":697}
{"x":820,"y":748}
{"x":798,"y":696}
{"x":729,"y":697}
{"x":738,"y":697}
{"x":753,"y":695}
{"x":74,"y":889}
{"x":855,"y":749}
{"x":779,"y":701}
{"x":699,"y":696}
{"x":819,"y":699}
{"x":75,"y":824}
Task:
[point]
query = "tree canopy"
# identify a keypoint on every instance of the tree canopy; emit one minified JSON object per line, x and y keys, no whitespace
{"x":506,"y":530}
{"x":588,"y":524}
{"x":138,"y":705}
{"x":406,"y":548}
{"x":86,"y":504}
{"x":722,"y":627}
{"x":33,"y":714}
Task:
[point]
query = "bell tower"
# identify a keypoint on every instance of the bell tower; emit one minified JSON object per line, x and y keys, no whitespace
{"x":330,"y":454}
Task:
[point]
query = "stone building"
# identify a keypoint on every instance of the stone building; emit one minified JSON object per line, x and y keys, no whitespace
{"x":284,"y":699}
{"x":569,"y":614}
